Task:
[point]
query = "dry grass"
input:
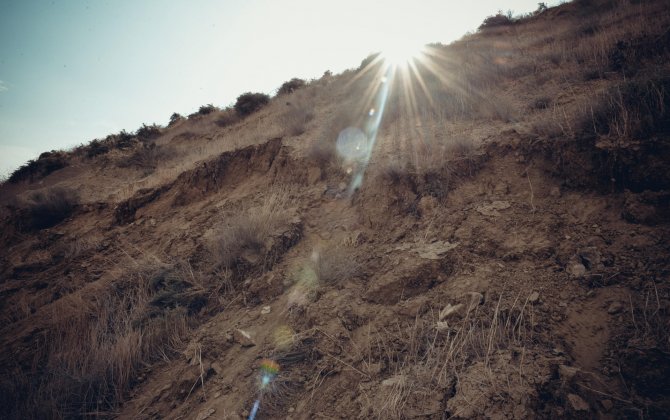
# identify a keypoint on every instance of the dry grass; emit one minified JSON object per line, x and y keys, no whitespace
{"x":96,"y":340}
{"x":335,"y":264}
{"x":427,"y":355}
{"x":244,"y":238}
{"x":46,"y":208}
{"x":296,"y":117}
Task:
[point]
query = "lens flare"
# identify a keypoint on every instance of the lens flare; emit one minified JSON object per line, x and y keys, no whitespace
{"x":400,"y":53}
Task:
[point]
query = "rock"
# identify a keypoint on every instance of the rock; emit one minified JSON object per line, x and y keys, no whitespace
{"x":451,"y":311}
{"x":534,"y":297}
{"x":442,"y":326}
{"x":577,"y":403}
{"x":394,"y":380}
{"x":607,"y":404}
{"x":615,"y":308}
{"x":291,"y":409}
{"x":152,"y":221}
{"x":567,"y":373}
{"x":217,"y":394}
{"x":501,"y":188}
{"x":474,"y":299}
{"x":216,"y":366}
{"x":266,"y":310}
{"x":243,"y":338}
{"x":555,"y":192}
{"x":577,"y":270}
{"x":205,"y":413}
{"x":492,"y":209}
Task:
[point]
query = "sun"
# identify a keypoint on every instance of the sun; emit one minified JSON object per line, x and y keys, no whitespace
{"x":401,"y":53}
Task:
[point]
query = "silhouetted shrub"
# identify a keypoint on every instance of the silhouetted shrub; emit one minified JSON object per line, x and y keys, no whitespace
{"x":123,"y":140}
{"x":206,"y":109}
{"x":95,"y":148}
{"x":497,"y":20}
{"x":48,"y":208}
{"x":174,"y":119}
{"x":248,"y":103}
{"x":291,"y":86}
{"x":45,"y":164}
{"x":369,"y":60}
{"x":148,"y":132}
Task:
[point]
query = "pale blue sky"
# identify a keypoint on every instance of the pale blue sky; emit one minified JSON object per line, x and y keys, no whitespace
{"x":72,"y":71}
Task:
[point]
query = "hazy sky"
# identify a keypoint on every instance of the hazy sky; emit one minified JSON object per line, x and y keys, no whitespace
{"x":72,"y":71}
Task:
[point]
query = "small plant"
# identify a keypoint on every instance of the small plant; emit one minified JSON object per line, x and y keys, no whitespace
{"x":500,"y":19}
{"x":336,"y":263}
{"x":244,"y":238}
{"x":123,"y":140}
{"x":203,"y":110}
{"x":148,"y":132}
{"x":96,"y":147}
{"x":174,"y":119}
{"x":248,"y":103}
{"x":291,"y":86}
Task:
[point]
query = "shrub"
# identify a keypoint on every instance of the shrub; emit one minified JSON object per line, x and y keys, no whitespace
{"x":499,"y":19}
{"x":248,"y":103}
{"x":148,"y":132}
{"x":49,"y":207}
{"x":336,"y":264}
{"x":96,"y":147}
{"x":45,"y":164}
{"x":174,"y":119}
{"x":244,"y":239}
{"x":123,"y":140}
{"x":291,"y":86}
{"x":206,"y":109}
{"x":369,"y":60}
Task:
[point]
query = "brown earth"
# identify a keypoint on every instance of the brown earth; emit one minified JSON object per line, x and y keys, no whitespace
{"x":505,"y":256}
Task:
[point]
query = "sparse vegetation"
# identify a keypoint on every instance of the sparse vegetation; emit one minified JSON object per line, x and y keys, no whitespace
{"x":45,"y":164}
{"x":245,"y":238}
{"x":296,"y":117}
{"x":148,"y":132}
{"x":175,"y":118}
{"x":248,"y":103}
{"x":228,"y":117}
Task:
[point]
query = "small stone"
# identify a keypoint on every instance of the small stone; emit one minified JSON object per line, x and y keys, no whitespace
{"x":217,"y":394}
{"x":567,"y":373}
{"x":577,"y":403}
{"x":474,"y":299}
{"x":607,"y":404}
{"x":243,"y":338}
{"x":451,"y":311}
{"x":442,"y":326}
{"x":266,"y":310}
{"x":534,"y":297}
{"x":291,"y":409}
{"x":394,"y":380}
{"x":577,"y":270}
{"x":205,"y":413}
{"x":555,"y":192}
{"x":563,"y":304}
{"x":152,"y":221}
{"x":615,"y":308}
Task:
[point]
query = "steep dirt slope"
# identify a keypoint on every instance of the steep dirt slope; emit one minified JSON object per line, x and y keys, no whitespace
{"x":502,"y":252}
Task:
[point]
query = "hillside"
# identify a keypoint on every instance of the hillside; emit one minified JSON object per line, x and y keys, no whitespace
{"x":483,"y":234}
